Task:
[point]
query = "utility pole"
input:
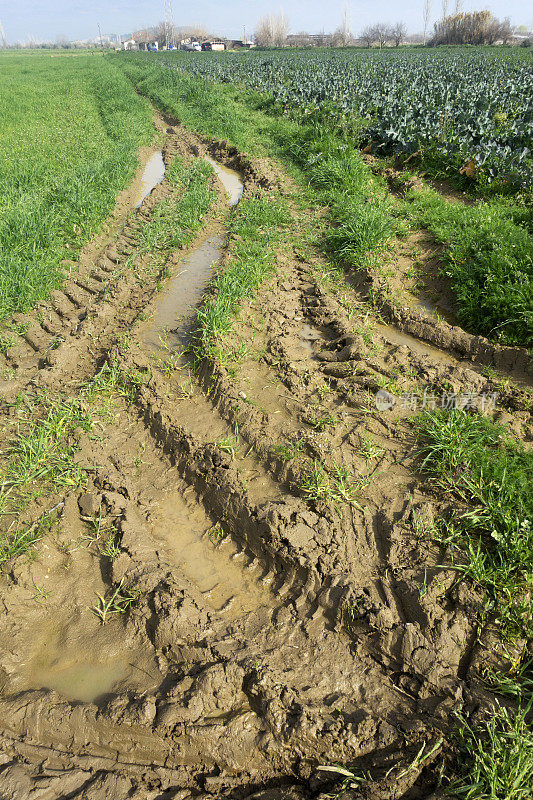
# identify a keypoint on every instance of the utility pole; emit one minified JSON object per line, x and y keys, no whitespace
{"x":346,"y":25}
{"x":427,"y":15}
{"x":100,"y":35}
{"x":244,"y":35}
{"x":169,"y":24}
{"x":3,"y":35}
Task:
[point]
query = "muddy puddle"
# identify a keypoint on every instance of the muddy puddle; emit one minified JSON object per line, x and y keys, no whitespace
{"x":153,"y":174}
{"x":433,"y":309}
{"x":415,"y":345}
{"x":85,"y":662}
{"x":308,"y":339}
{"x":173,"y":317}
{"x":84,"y":682}
{"x":229,"y":583}
{"x":230,"y":180}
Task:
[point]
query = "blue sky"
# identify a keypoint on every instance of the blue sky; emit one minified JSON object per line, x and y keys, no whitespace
{"x":47,"y":19}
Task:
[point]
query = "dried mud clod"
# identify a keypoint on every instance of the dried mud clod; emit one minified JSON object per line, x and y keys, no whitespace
{"x":241,"y":590}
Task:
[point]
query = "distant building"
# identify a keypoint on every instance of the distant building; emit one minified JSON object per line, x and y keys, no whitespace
{"x":213,"y":46}
{"x":146,"y":40}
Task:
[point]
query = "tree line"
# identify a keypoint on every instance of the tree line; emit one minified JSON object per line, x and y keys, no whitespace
{"x":475,"y":28}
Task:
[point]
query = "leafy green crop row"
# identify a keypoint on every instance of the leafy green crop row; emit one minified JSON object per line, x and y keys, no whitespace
{"x":458,"y":104}
{"x":69,"y":133}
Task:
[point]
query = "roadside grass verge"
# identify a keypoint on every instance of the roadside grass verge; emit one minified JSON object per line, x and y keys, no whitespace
{"x":488,"y":260}
{"x":175,"y":221}
{"x":490,"y":541}
{"x":68,"y":140}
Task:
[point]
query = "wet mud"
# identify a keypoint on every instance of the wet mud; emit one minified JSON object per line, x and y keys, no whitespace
{"x":153,"y":174}
{"x":258,"y":633}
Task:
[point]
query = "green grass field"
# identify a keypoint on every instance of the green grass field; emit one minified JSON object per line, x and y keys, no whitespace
{"x":68,"y":139}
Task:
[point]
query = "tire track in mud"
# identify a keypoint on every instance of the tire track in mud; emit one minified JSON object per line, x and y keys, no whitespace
{"x":267,"y":635}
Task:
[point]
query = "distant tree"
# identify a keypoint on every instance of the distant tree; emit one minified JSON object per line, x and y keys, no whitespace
{"x":398,"y":32}
{"x":159,"y":34}
{"x":367,"y":36}
{"x":195,"y":33}
{"x":477,"y":27}
{"x":164,"y":33}
{"x":300,"y":39}
{"x":321,"y":39}
{"x":342,"y":37}
{"x":377,"y":34}
{"x":272,"y":31}
{"x":382,"y":33}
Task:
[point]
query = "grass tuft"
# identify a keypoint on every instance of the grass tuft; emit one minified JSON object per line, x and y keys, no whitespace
{"x":495,"y":757}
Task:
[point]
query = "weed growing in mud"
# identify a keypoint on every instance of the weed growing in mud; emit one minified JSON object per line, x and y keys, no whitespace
{"x":229,"y":445}
{"x":488,"y":260}
{"x":334,"y":486}
{"x":290,"y":449}
{"x":216,"y":533}
{"x":491,"y":473}
{"x":111,"y":546}
{"x":117,"y":603}
{"x":5,"y":343}
{"x":42,"y":449}
{"x":351,"y":780}
{"x":41,"y":456}
{"x":369,"y":450}
{"x":15,"y":542}
{"x":324,"y":421}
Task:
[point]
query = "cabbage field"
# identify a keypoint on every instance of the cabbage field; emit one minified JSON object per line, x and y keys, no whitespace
{"x":463,"y":106}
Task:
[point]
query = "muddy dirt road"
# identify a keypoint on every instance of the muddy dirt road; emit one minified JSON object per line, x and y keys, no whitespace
{"x":239,"y":592}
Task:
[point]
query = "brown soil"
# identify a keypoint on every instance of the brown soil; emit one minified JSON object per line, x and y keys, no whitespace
{"x":269,"y":634}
